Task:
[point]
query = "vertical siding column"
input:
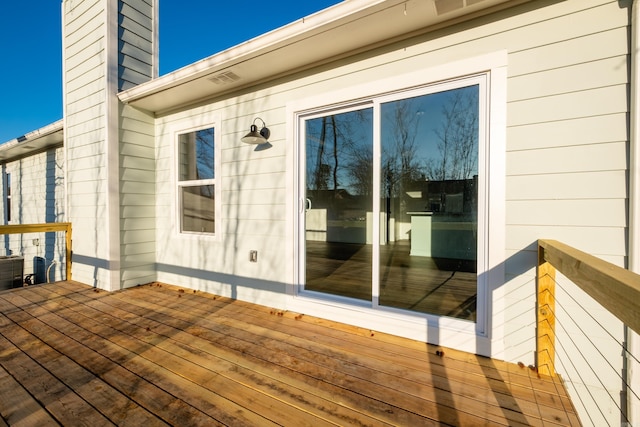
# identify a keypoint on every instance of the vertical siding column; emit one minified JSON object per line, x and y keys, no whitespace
{"x":88,"y":133}
{"x":108,"y":45}
{"x":138,"y":63}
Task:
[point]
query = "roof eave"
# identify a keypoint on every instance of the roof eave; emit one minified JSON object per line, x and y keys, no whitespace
{"x":249,"y":49}
{"x":308,"y":41}
{"x":37,"y":140}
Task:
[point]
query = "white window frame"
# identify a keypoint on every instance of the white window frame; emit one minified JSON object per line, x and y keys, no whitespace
{"x":483,"y":336}
{"x":205,"y":122}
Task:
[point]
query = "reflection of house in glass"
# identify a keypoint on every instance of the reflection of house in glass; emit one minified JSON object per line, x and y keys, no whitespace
{"x":427,"y":252}
{"x":443,"y":218}
{"x":338,"y":217}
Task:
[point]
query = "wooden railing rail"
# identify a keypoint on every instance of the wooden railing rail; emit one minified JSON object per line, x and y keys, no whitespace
{"x":45,"y":228}
{"x":613,"y":287}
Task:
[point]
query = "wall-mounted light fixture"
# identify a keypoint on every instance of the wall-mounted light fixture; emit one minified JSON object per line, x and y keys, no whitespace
{"x":257,"y":137}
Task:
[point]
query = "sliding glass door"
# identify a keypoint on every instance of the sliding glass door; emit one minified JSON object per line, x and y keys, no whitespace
{"x":339,"y":203}
{"x":429,"y":193}
{"x":391,"y":192}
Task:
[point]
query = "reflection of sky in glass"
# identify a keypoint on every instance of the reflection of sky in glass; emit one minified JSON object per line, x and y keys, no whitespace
{"x":419,"y":125}
{"x":205,"y":153}
{"x":416,"y":133}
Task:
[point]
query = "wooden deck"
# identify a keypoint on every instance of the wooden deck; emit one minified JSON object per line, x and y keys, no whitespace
{"x":161,"y":355}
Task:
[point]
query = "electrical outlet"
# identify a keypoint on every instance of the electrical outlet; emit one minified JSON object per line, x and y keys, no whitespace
{"x":253,"y":256}
{"x":36,"y":242}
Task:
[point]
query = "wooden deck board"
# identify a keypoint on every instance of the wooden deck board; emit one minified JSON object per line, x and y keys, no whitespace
{"x":148,"y":362}
{"x":158,"y":355}
{"x":17,"y":406}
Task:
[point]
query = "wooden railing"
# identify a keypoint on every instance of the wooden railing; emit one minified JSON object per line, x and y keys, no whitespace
{"x":613,"y":287}
{"x":45,"y":228}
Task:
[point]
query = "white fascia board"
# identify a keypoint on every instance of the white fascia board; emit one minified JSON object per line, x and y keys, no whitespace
{"x":33,"y":141}
{"x":275,"y":52}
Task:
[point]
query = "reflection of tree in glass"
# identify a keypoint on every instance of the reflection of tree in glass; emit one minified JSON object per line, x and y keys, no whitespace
{"x":323,"y":170}
{"x":196,"y":156}
{"x":337,"y":148}
{"x":399,"y":149}
{"x":360,"y":171}
{"x":204,"y":146}
{"x":458,"y":137}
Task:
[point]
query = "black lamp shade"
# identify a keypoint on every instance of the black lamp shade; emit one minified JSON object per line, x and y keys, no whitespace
{"x":256,"y":137}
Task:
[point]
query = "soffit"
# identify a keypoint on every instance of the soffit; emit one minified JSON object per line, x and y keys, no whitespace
{"x":339,"y":30}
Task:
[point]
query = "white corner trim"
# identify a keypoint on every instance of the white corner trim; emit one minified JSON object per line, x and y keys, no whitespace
{"x":112,"y":144}
{"x":633,"y":339}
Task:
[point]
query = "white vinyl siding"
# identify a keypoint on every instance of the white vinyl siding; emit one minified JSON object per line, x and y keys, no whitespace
{"x":250,"y":190}
{"x":110,"y":159}
{"x":85,"y":87}
{"x":566,"y":160}
{"x":137,"y":198}
{"x":137,"y":47}
{"x":6,"y":194}
{"x":257,"y":195}
{"x":566,"y":163}
{"x":37,"y":197}
{"x":137,"y":63}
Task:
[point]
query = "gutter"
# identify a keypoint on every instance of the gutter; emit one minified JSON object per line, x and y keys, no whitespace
{"x":32,"y":141}
{"x":43,"y":131}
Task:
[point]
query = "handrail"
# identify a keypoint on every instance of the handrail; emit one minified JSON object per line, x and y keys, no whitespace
{"x":613,"y":287}
{"x":44,"y":228}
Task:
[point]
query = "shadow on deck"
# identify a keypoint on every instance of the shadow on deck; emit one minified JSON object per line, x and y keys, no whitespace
{"x":158,"y":355}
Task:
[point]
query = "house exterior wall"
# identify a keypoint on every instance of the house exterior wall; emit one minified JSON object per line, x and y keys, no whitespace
{"x":253,"y":205}
{"x":37,"y":196}
{"x":564,"y":177}
{"x":565,"y":151}
{"x":108,"y":45}
{"x":567,"y":137}
{"x":567,"y":180}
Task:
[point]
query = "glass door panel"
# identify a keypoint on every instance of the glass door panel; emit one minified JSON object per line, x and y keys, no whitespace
{"x":339,"y":204}
{"x":429,"y":203}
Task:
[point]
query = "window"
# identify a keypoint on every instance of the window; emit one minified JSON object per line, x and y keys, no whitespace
{"x":197,"y":181}
{"x":394,"y":202}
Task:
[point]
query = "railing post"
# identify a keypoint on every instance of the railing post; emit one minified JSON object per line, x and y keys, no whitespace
{"x":545,"y":315}
{"x":68,"y":251}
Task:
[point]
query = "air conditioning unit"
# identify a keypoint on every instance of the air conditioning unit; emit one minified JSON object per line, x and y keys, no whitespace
{"x":11,"y":271}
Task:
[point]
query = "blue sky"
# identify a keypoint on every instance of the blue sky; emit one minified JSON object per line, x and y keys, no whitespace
{"x":30,"y":47}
